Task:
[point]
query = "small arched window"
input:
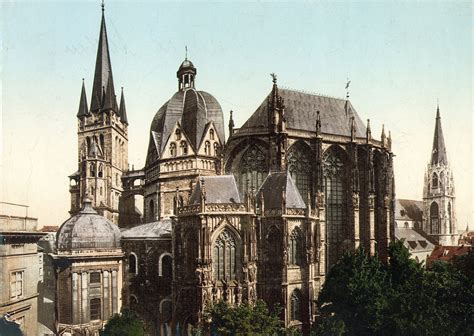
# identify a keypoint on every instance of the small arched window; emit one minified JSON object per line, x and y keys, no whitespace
{"x":101,"y":171}
{"x":132,"y":264}
{"x":177,"y":134}
{"x":211,"y":134}
{"x":207,"y":148}
{"x":295,"y":305}
{"x":216,"y":149}
{"x":434,"y":181}
{"x":184,"y":148}
{"x":173,"y":149}
{"x":166,"y":267}
{"x":92,"y":170}
{"x":295,"y":249}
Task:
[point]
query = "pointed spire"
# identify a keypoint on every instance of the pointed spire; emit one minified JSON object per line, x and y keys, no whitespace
{"x":438,"y":154}
{"x":368,"y":132}
{"x":83,"y":107}
{"x":103,"y":68}
{"x":383,"y":136}
{"x":123,"y":110}
{"x":231,"y":124}
{"x":110,"y":101}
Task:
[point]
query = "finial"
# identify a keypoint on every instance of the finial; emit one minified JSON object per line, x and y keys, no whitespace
{"x":121,"y":88}
{"x":368,"y":132}
{"x":274,"y":77}
{"x":83,"y":80}
{"x":186,"y":52}
{"x":103,"y":6}
{"x":437,"y":110}
{"x":347,"y":88}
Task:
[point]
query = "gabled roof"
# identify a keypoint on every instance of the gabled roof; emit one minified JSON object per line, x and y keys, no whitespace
{"x":406,"y":209}
{"x":103,"y":70}
{"x":159,"y":229}
{"x":300,"y":113}
{"x":218,"y":189}
{"x":414,"y":240}
{"x":438,"y":154}
{"x":275,"y":185}
{"x":447,"y":253}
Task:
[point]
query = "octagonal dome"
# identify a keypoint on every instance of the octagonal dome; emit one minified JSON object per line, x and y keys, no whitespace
{"x":87,"y":231}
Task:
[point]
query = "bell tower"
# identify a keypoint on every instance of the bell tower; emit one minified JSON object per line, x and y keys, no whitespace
{"x":439,"y":217}
{"x":102,"y":140}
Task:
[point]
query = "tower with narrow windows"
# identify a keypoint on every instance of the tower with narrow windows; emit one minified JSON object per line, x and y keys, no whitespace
{"x":102,"y":140}
{"x":439,"y":217}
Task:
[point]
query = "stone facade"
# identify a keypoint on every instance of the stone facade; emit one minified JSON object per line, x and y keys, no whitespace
{"x":20,"y":276}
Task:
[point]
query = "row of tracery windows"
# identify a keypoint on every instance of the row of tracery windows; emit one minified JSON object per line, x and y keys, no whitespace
{"x":183,"y":149}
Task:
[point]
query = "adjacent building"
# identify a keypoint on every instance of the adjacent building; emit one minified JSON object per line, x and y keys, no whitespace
{"x":21,"y":269}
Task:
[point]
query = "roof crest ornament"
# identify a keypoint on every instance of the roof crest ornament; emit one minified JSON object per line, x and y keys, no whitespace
{"x":274,"y":77}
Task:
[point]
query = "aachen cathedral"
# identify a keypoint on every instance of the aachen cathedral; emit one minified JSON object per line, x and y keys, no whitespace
{"x":260,"y":214}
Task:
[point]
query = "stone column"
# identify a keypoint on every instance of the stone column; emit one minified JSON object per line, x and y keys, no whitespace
{"x":372,"y":223}
{"x":106,"y":299}
{"x":114,"y":292}
{"x":85,"y":297}
{"x":75,"y":298}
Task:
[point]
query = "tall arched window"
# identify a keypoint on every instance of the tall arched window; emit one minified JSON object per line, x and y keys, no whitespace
{"x":253,"y":169}
{"x":101,"y":138}
{"x":295,"y":248}
{"x":336,"y":212}
{"x":225,"y":258}
{"x":173,"y":149}
{"x":216,"y":149}
{"x":295,"y":305}
{"x":152,"y":209}
{"x":434,"y":218}
{"x":101,"y":170}
{"x":434,"y":181}
{"x":184,"y":147}
{"x":92,"y":169}
{"x":441,"y":180}
{"x":207,"y":148}
{"x":299,"y":166}
{"x":132,"y":263}
{"x":211,"y":134}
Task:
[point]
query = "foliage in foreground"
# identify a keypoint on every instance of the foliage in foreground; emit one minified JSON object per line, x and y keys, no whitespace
{"x":363,"y":296}
{"x":244,"y":319}
{"x":125,"y":324}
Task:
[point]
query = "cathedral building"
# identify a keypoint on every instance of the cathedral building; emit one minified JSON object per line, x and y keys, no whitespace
{"x":439,"y":219}
{"x":262,"y":214}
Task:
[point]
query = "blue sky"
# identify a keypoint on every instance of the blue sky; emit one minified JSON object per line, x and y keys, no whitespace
{"x":400,"y":58}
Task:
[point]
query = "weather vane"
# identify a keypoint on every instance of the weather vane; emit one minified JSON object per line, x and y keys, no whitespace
{"x":186,"y":54}
{"x":274,"y":77}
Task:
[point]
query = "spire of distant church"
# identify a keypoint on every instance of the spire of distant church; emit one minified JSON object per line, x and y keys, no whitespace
{"x":83,"y":108}
{"x":103,"y":69}
{"x":123,"y":109}
{"x":438,"y":154}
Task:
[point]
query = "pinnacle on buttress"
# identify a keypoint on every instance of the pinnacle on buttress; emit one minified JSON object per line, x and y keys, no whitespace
{"x":83,"y":107}
{"x":123,"y":109}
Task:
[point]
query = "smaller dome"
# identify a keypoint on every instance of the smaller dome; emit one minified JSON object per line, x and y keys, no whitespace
{"x":187,"y":67}
{"x":87,"y":230}
{"x":186,"y":64}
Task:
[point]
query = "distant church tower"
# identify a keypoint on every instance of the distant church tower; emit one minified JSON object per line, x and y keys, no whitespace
{"x":102,"y":140}
{"x":439,"y":219}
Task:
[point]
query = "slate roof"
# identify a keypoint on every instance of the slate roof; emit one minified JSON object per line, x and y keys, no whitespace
{"x":194,"y":110}
{"x":300,"y":112}
{"x":414,"y":240}
{"x":87,"y":230}
{"x":438,"y":154}
{"x":273,"y":187}
{"x":411,"y":209}
{"x":219,"y":189}
{"x":159,"y":229}
{"x":103,"y":71}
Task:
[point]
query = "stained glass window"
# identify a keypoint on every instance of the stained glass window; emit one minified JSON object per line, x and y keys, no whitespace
{"x":253,"y":169}
{"x":336,"y":212}
{"x":299,"y":167}
{"x":225,"y":257}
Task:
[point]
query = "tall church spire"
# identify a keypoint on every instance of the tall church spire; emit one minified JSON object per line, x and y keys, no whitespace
{"x":438,"y":154}
{"x":103,"y":69}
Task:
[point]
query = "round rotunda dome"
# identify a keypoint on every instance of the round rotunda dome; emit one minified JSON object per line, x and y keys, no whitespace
{"x":87,"y":231}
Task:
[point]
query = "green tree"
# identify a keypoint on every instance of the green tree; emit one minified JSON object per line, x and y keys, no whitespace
{"x":125,"y":324}
{"x":244,"y":319}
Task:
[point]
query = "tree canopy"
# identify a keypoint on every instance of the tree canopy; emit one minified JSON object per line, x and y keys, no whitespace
{"x":363,"y":296}
{"x":125,"y":324}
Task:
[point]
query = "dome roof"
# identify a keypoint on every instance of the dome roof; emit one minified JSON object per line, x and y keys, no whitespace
{"x":87,"y":230}
{"x":194,"y":110}
{"x":186,"y":64}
